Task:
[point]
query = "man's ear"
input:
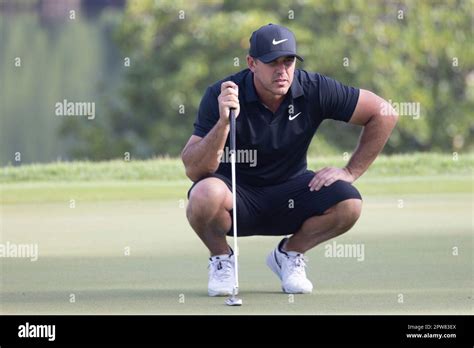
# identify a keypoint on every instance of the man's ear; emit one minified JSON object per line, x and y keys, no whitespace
{"x":251,"y":62}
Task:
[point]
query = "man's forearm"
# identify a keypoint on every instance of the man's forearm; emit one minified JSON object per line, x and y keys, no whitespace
{"x":371,"y":142}
{"x":202,"y":157}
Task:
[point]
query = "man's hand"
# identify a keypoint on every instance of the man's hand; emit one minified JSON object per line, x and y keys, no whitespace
{"x":329,"y":175}
{"x":229,"y":98}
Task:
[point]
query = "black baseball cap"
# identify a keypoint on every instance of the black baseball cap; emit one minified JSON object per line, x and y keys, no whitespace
{"x":271,"y":42}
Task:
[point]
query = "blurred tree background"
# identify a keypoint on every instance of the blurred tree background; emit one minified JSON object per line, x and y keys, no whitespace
{"x":405,"y":51}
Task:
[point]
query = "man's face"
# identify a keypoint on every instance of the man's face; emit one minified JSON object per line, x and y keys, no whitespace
{"x":275,"y":77}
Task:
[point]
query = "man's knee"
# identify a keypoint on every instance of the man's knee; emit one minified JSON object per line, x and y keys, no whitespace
{"x":347,"y":213}
{"x":207,"y":197}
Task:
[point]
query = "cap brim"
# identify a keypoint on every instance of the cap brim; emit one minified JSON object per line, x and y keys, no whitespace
{"x":269,"y":57}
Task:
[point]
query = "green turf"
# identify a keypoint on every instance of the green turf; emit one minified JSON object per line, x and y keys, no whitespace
{"x":43,"y":192}
{"x":408,"y":251}
{"x":141,"y":205}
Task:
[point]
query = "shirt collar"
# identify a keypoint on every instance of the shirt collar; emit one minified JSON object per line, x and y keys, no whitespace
{"x":296,"y":89}
{"x":251,"y":93}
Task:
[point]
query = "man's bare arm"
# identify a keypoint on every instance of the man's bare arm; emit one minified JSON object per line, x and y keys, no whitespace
{"x":201,"y":155}
{"x":378,"y":119}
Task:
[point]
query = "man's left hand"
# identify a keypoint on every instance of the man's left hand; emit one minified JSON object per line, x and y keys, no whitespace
{"x":329,"y":175}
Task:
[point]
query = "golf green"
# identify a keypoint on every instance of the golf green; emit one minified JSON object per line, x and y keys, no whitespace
{"x":140,"y":256}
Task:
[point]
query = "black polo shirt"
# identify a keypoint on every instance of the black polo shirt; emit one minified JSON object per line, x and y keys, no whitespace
{"x":272,"y":146}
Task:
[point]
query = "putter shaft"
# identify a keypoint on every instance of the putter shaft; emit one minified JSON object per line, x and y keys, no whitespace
{"x":234,"y":196}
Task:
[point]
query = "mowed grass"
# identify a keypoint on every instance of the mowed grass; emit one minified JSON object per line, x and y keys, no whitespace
{"x":171,"y":169}
{"x":165,"y":178}
{"x":99,"y":191}
{"x":416,"y":229}
{"x":84,"y":252}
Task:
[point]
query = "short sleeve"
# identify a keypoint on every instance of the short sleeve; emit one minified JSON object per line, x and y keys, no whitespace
{"x":337,"y":100}
{"x":208,"y":114}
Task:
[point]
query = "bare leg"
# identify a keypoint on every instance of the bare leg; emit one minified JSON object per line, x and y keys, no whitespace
{"x":208,"y":213}
{"x":318,"y":229}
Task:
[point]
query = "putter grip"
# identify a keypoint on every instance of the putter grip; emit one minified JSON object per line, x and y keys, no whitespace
{"x":232,"y":129}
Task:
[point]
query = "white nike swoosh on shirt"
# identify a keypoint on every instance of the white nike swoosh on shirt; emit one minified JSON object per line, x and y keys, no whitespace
{"x":293,"y":117}
{"x":279,"y":41}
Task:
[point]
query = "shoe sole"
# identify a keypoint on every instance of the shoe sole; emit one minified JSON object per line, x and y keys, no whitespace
{"x":219,"y":293}
{"x":222,"y":293}
{"x":273,"y":265}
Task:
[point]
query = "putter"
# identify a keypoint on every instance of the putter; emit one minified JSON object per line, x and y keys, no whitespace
{"x":234,"y":300}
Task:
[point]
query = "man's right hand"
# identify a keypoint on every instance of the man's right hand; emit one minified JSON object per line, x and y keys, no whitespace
{"x":229,"y":98}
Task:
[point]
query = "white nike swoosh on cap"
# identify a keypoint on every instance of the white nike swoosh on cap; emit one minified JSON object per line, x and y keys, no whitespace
{"x":279,"y":41}
{"x":293,"y":117}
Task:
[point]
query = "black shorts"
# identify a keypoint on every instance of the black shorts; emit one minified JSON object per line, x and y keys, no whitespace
{"x":281,"y":209}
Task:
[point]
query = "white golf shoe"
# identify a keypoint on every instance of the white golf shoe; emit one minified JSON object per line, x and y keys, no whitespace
{"x":221,"y":275}
{"x":289,"y":266}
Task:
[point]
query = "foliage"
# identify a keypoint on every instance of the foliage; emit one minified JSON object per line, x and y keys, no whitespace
{"x":404,"y":51}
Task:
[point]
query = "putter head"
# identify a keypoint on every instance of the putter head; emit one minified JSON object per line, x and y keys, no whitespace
{"x":233,"y":301}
